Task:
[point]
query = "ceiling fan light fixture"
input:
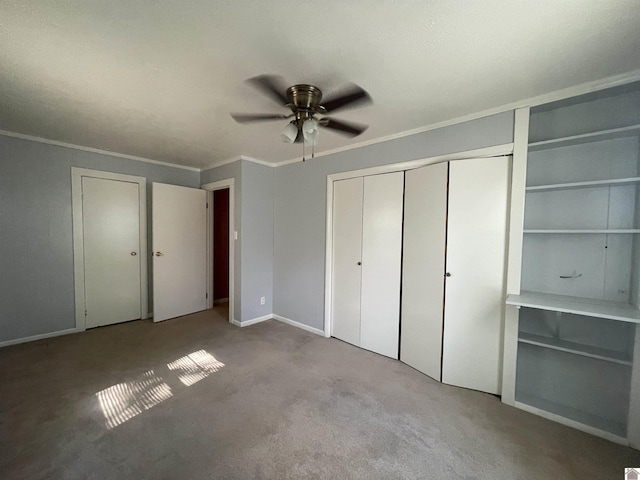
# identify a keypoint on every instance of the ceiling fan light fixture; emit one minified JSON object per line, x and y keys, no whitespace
{"x":310,"y":131}
{"x":290,"y":133}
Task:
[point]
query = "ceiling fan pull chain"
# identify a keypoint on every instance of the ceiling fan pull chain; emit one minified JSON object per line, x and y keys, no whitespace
{"x":303,"y":159}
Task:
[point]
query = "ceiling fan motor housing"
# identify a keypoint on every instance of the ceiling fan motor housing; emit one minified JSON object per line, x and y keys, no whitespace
{"x":304,"y":101}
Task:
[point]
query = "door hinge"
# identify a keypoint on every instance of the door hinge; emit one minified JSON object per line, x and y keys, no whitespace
{"x":207,"y":204}
{"x":206,"y":295}
{"x":85,"y":313}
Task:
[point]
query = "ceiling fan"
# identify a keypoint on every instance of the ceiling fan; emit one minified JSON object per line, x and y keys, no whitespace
{"x":305,"y":102}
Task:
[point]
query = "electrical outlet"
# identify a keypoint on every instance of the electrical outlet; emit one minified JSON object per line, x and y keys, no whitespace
{"x":263,"y":300}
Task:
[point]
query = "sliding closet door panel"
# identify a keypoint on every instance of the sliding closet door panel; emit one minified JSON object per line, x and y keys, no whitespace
{"x":347,"y":254}
{"x":381,"y":263}
{"x":476,"y":245}
{"x":425,"y":224}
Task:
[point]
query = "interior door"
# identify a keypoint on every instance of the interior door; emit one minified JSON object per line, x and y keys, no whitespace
{"x":111,"y":238}
{"x":381,"y":263}
{"x":347,"y":258}
{"x":179,"y":250}
{"x":423,"y":261}
{"x":474,"y":298}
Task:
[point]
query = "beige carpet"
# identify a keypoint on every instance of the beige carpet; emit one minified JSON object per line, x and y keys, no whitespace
{"x":197,"y":398}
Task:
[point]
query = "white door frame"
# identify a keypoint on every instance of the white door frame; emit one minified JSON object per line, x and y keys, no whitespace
{"x":78,"y":237}
{"x":506,"y":149}
{"x":211,"y":187}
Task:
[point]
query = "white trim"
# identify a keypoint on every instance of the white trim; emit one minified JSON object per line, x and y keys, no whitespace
{"x":237,"y":159}
{"x":498,"y":150}
{"x":514,"y":252}
{"x":252,"y":321}
{"x":230,"y":184}
{"x":78,"y":237}
{"x":572,"y":423}
{"x":556,"y":95}
{"x":210,"y":260}
{"x":633,"y":422}
{"x":32,"y":138}
{"x":293,"y":323}
{"x":221,"y":163}
{"x":33,"y":338}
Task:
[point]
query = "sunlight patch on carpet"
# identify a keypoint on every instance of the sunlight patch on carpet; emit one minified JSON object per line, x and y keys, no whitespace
{"x":123,"y":401}
{"x":194,"y":367}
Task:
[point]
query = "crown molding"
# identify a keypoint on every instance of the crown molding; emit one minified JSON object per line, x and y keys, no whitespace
{"x":235,"y":159}
{"x":47,"y":141}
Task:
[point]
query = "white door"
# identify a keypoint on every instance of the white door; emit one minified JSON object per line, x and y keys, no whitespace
{"x":179,"y":218}
{"x":423,"y":261}
{"x":111,"y":238}
{"x":347,"y":257}
{"x":381,"y":263}
{"x":474,"y":299}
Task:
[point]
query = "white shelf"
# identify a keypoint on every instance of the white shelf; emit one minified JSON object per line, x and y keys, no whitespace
{"x":598,"y":136}
{"x":575,"y":348}
{"x":579,"y":306}
{"x":616,"y":231}
{"x":617,"y":182}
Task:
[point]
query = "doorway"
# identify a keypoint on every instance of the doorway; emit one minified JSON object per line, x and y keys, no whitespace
{"x":220,"y":246}
{"x":221,"y":237}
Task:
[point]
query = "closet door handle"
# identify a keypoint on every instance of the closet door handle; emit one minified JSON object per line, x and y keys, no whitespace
{"x":359,"y":263}
{"x":448,"y":274}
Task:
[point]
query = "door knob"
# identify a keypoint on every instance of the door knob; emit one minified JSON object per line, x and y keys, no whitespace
{"x":359,"y":263}
{"x":133,"y":254}
{"x":159,"y":254}
{"x":447,"y":274}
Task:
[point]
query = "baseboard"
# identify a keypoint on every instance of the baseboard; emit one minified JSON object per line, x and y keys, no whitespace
{"x":40,"y":337}
{"x":288,"y":321}
{"x":251,"y":321}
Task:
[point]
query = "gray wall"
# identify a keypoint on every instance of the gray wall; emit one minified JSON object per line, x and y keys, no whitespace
{"x":36,"y":247}
{"x":232,"y":170}
{"x":253,"y":254}
{"x":257,"y":239}
{"x":300,"y":206}
{"x":279,"y":217}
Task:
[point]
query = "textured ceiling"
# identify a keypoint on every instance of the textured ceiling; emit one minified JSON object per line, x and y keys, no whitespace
{"x":158,"y":79}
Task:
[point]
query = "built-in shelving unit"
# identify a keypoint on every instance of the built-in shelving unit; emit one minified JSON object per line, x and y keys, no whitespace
{"x":578,"y":307}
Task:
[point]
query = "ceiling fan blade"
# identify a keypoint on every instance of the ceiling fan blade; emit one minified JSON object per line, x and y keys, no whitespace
{"x":350,"y":97}
{"x":273,"y":86}
{"x":258,"y":117}
{"x":346,"y":128}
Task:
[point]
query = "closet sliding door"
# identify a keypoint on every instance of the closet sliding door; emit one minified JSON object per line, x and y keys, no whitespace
{"x":425,"y":226}
{"x":381,"y":263}
{"x":367,"y":252}
{"x":347,"y":257}
{"x":475,"y":281}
